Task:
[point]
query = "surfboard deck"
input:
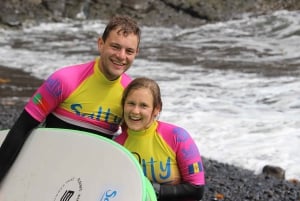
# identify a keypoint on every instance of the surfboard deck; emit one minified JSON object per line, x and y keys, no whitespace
{"x":68,"y":165}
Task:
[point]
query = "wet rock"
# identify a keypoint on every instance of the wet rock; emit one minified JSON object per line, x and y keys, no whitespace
{"x":137,"y":5}
{"x":274,"y":171}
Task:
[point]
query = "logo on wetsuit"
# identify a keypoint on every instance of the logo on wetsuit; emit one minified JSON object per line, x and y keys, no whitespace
{"x":165,"y":167}
{"x":99,"y":115}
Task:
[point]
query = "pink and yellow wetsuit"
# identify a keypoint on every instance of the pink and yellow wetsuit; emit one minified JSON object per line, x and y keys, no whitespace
{"x":84,"y":98}
{"x":167,"y":153}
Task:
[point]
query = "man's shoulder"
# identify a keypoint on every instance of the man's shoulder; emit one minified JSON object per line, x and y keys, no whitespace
{"x":76,"y":67}
{"x":73,"y":70}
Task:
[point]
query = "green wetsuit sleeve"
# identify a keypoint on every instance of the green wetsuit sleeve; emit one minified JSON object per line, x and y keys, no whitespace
{"x":14,"y":141}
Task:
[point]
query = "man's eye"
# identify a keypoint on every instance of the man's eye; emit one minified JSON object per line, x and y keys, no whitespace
{"x":130,"y":52}
{"x":115,"y":47}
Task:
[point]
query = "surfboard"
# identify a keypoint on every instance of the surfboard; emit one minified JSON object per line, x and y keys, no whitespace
{"x":68,"y":165}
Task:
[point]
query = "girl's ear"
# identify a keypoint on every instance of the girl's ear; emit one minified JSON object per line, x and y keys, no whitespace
{"x":156,"y":112}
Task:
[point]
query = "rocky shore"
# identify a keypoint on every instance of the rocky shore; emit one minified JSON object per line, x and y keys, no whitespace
{"x":224,"y":182}
{"x":16,"y":13}
{"x":16,"y":86}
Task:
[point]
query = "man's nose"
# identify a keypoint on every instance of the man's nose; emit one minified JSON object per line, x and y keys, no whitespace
{"x":121,"y":54}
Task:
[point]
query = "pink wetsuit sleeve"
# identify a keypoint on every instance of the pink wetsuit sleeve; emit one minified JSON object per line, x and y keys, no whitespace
{"x":187,"y":153}
{"x":45,"y":99}
{"x":55,"y":89}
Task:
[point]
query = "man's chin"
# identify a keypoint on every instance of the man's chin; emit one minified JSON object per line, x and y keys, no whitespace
{"x":115,"y":75}
{"x":118,"y":71}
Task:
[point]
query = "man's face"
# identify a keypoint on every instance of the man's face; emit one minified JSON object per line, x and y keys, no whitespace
{"x":117,"y":53}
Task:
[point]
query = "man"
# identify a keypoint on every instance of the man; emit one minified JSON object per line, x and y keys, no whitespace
{"x":84,"y":97}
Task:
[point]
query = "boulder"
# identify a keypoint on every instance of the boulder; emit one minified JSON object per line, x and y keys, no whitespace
{"x":274,"y":171}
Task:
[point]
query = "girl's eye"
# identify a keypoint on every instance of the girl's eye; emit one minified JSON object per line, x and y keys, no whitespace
{"x":130,"y":103}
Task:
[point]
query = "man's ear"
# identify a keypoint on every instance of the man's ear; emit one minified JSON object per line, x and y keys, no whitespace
{"x":100,"y":43}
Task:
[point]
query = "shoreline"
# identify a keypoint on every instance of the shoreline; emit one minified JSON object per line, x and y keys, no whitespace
{"x":17,"y":83}
{"x":16,"y":87}
{"x":224,"y":182}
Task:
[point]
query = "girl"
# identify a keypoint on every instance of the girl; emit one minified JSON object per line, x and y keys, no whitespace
{"x":168,"y":155}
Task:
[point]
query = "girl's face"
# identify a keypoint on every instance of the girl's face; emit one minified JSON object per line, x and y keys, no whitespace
{"x":138,"y":109}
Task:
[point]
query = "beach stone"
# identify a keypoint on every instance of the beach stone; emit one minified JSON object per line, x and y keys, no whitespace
{"x":274,"y":171}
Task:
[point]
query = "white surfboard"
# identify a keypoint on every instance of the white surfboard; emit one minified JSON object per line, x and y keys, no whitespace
{"x":68,"y":165}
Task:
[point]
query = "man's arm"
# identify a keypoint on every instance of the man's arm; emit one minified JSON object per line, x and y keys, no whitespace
{"x":14,"y":141}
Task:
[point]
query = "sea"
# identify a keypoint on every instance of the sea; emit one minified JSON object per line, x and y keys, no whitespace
{"x":233,"y":85}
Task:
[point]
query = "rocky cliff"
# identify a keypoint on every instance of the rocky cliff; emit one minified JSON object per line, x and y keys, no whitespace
{"x":15,"y":13}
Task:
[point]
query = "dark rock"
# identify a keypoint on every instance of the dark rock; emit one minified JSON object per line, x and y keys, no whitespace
{"x":274,"y":171}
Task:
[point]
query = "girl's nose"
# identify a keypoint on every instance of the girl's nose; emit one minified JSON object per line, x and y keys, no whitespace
{"x":135,"y":110}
